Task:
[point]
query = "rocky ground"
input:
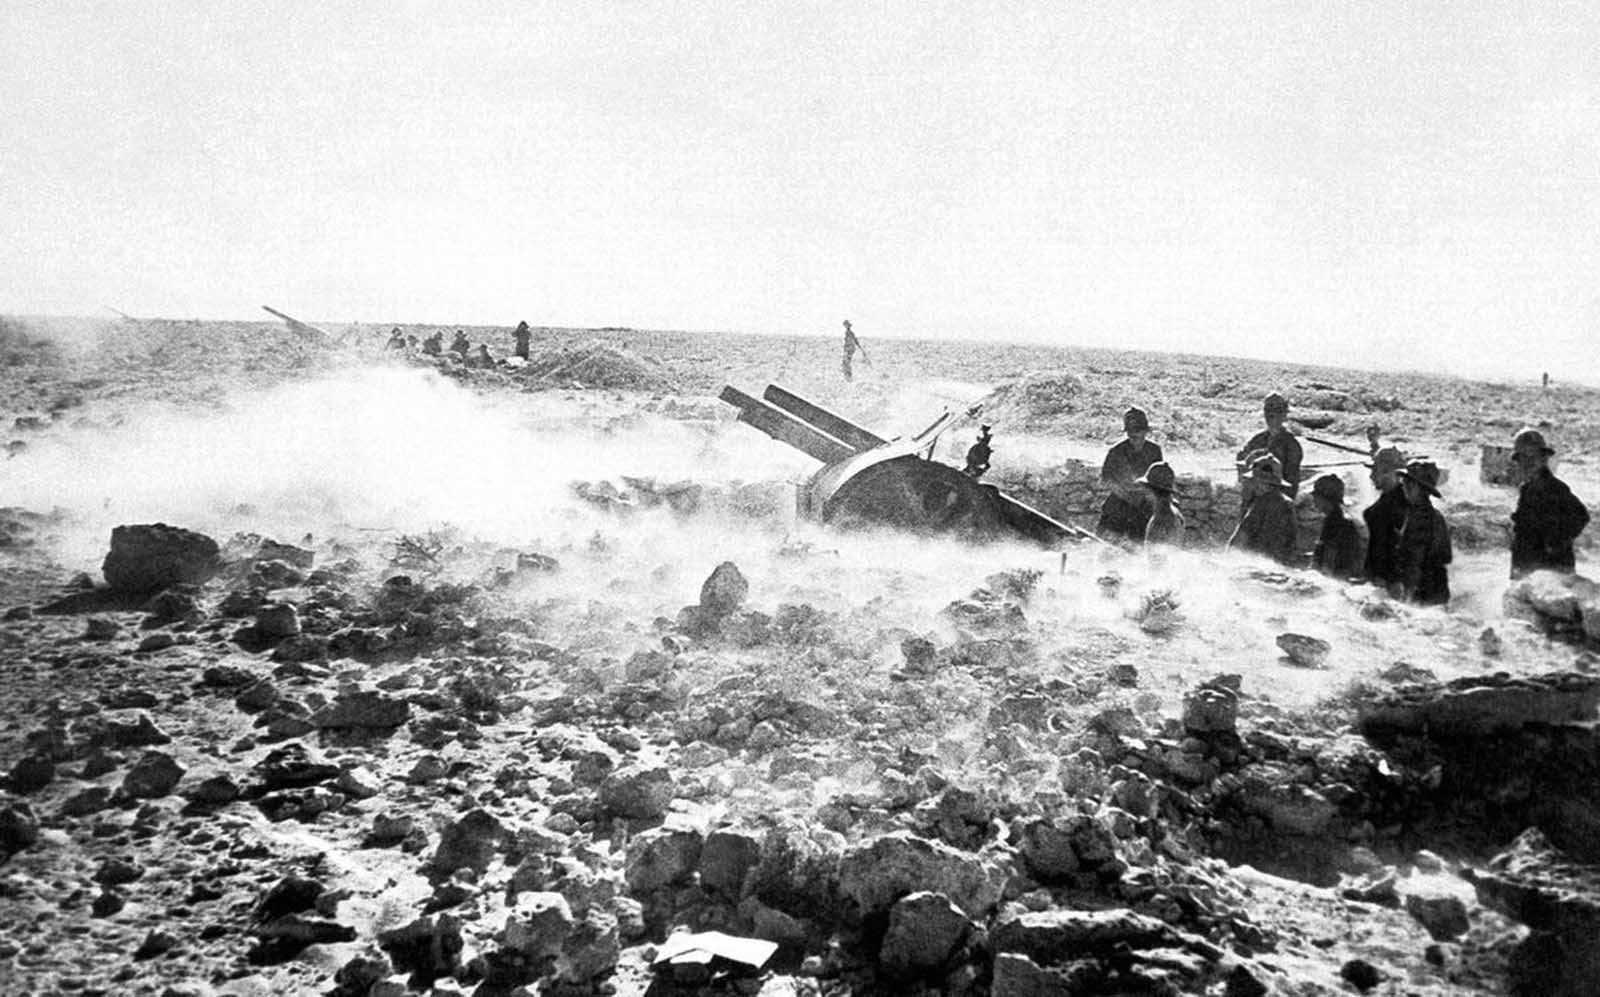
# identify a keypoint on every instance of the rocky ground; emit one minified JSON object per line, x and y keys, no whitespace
{"x":342,"y":730}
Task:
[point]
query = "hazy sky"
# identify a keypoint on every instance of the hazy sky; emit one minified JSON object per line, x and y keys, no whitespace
{"x":1340,"y":182}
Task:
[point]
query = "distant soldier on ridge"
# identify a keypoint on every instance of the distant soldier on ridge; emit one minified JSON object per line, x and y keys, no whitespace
{"x":851,"y":345}
{"x":460,"y":345}
{"x":1126,"y":510}
{"x":1548,"y":517}
{"x":523,"y":336}
{"x":397,"y":339}
{"x":434,"y":345}
{"x":1275,"y":440}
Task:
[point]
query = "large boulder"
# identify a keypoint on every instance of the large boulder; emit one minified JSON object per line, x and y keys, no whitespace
{"x":470,"y":842}
{"x":363,"y":708}
{"x":723,"y":590}
{"x":1563,"y":605}
{"x":155,"y":774}
{"x":637,"y":792}
{"x":877,"y":873}
{"x":925,"y":931}
{"x":150,"y":557}
{"x":662,"y":856}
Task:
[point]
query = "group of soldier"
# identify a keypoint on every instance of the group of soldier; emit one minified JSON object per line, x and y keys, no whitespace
{"x":1407,"y":548}
{"x":461,"y":347}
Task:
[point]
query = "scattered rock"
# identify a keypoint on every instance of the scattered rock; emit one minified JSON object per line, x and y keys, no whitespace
{"x":155,"y":774}
{"x":877,"y":873}
{"x":151,"y":557}
{"x":637,"y":792}
{"x":277,"y":620}
{"x":363,"y":708}
{"x":157,"y":942}
{"x":925,"y":931}
{"x":100,"y":628}
{"x":430,"y":946}
{"x":469,"y":843}
{"x":1307,"y":652}
{"x":1210,"y":710}
{"x":1361,"y":974}
{"x":662,"y":856}
{"x":19,"y":828}
{"x":724,"y":590}
{"x":291,"y":766}
{"x":31,"y":774}
{"x":1445,"y":917}
{"x":726,"y":859}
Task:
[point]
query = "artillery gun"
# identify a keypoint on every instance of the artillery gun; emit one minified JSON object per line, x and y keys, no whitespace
{"x":869,"y":481}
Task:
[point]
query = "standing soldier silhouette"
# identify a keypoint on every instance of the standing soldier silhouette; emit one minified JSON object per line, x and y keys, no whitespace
{"x":523,"y":336}
{"x":851,"y":345}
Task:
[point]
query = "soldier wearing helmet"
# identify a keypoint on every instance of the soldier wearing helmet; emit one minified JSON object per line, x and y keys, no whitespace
{"x":1126,"y":510}
{"x":1384,"y":516}
{"x":1275,"y":440}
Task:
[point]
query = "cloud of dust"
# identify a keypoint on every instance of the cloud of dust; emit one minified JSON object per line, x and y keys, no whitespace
{"x":374,"y":449}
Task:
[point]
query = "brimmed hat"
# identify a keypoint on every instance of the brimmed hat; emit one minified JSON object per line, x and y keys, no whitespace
{"x":1135,"y":418}
{"x":1528,"y":438}
{"x":1268,"y":469}
{"x":1388,"y":459}
{"x":1274,"y":403}
{"x":1424,"y":473}
{"x":1330,"y":487}
{"x":1158,"y":476}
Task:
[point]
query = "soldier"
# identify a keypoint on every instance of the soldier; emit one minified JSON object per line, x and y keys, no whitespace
{"x":851,"y":345}
{"x":1126,"y":510}
{"x":523,"y":336}
{"x":1384,"y":516}
{"x":1166,"y":521}
{"x":1275,"y":440}
{"x":460,"y":345}
{"x":481,"y":357}
{"x":1268,"y":525}
{"x":1423,"y":554}
{"x":1548,"y":517}
{"x":434,"y":345}
{"x":979,"y":453}
{"x":1338,"y":550}
{"x":397,"y":339}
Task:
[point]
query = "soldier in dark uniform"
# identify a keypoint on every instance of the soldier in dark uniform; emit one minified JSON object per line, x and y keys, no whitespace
{"x":1267,"y":526}
{"x":1338,"y":550}
{"x":1384,"y":516}
{"x":1126,"y":511}
{"x":1275,"y":440}
{"x":979,"y":453}
{"x":434,"y":344}
{"x":1548,"y":517}
{"x":460,"y":344}
{"x":1422,"y":558}
{"x":523,"y":336}
{"x":397,"y":339}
